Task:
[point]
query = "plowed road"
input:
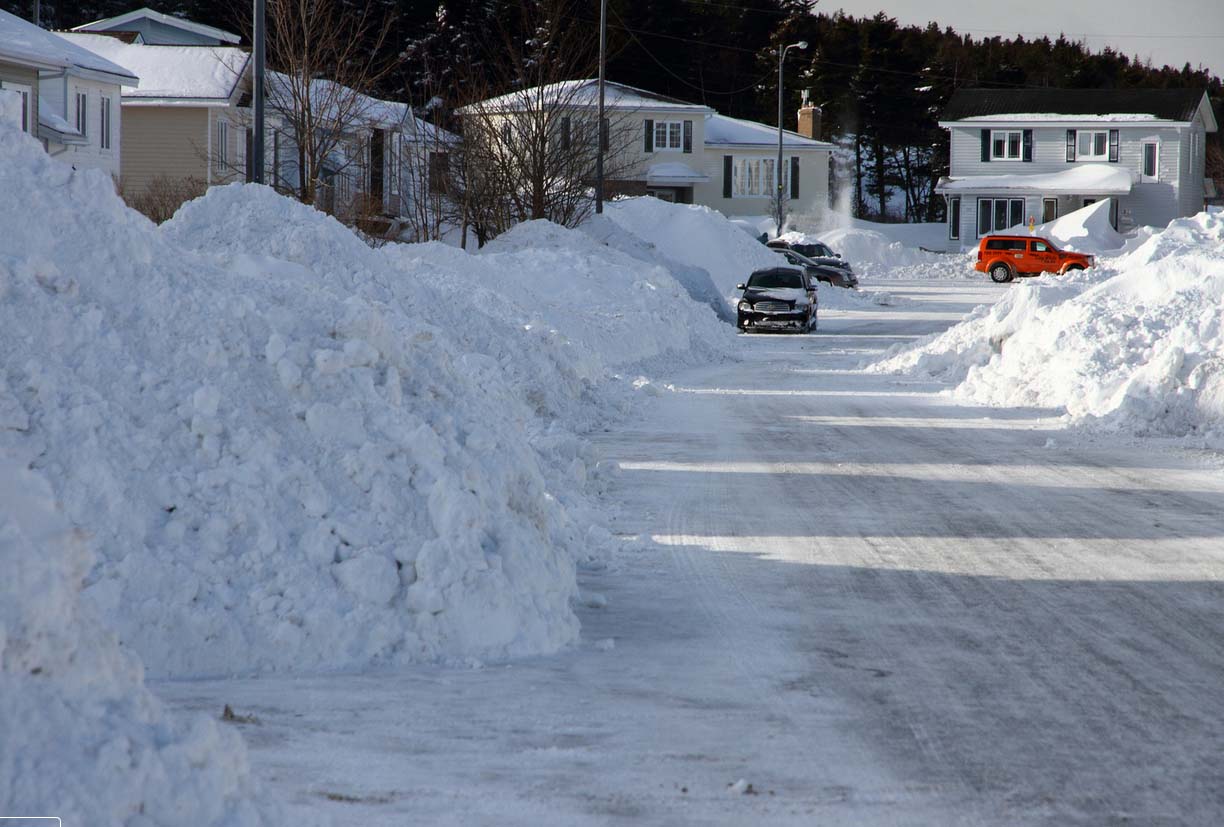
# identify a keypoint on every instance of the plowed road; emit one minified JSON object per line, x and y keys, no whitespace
{"x":870,"y":603}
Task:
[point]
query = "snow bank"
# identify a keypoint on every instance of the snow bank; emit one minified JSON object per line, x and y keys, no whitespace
{"x":82,"y":737}
{"x":1086,"y":230}
{"x":1135,"y":344}
{"x":695,"y":234}
{"x":283,"y":468}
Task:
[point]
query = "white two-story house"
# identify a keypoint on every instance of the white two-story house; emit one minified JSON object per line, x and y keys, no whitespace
{"x":70,"y":96}
{"x":1021,"y":155}
{"x":680,"y":151}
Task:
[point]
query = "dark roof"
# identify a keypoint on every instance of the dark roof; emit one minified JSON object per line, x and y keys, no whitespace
{"x":1165,"y":104}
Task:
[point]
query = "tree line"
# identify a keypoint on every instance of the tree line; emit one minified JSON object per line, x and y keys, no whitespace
{"x":881,"y":85}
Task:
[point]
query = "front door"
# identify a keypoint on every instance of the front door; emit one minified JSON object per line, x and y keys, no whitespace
{"x":1049,"y":210}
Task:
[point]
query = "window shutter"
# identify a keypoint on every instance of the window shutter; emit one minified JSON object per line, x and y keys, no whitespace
{"x":726,"y":176}
{"x":688,"y":136}
{"x":1113,"y":146}
{"x":985,"y":146}
{"x":649,"y":141}
{"x":565,"y":132}
{"x":1028,"y":145}
{"x":794,"y":172}
{"x":1070,"y":145}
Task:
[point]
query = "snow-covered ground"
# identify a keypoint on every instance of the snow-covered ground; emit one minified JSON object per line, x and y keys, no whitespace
{"x":530,"y":535}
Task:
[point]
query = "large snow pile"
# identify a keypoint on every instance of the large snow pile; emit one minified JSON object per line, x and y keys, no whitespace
{"x":281,"y":469}
{"x":80,"y":736}
{"x":1135,"y":344}
{"x":695,"y":234}
{"x":1086,"y":230}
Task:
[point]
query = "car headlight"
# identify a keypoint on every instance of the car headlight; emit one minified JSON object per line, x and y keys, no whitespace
{"x":745,"y":306}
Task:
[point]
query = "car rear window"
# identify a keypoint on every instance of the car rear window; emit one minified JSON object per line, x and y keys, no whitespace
{"x":775,"y":279}
{"x":1004,"y":244}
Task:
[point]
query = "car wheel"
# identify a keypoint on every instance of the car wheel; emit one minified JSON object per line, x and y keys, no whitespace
{"x":1000,"y":273}
{"x":1071,"y":268}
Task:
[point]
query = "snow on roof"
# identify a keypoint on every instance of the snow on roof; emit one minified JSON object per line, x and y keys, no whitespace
{"x":1054,"y":116}
{"x":1086,"y":179}
{"x":26,"y":43}
{"x":196,"y":72}
{"x":582,"y":93}
{"x":116,"y":23}
{"x":721,"y":130}
{"x":674,"y":172}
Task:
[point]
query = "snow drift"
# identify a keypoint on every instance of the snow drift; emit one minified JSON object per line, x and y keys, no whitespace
{"x":1135,"y":344}
{"x":82,"y":737}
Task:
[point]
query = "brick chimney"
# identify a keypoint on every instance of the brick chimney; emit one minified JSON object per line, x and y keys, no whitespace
{"x":809,"y":118}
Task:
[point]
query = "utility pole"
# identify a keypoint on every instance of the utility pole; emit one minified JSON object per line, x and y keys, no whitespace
{"x":258,"y":35}
{"x":599,"y":154}
{"x":781,"y":53}
{"x":37,"y":12}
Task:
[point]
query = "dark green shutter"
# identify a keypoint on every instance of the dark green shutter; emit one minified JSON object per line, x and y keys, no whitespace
{"x":688,"y":136}
{"x":727,"y":161}
{"x":1070,"y":145}
{"x":794,"y":189}
{"x":649,"y":138}
{"x":1113,"y":146}
{"x":1028,"y":145}
{"x":985,"y":146}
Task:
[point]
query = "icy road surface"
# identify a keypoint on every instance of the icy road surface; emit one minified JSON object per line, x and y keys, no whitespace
{"x":871,"y":604}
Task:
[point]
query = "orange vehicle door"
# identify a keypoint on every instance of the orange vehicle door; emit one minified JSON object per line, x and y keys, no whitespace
{"x":1041,"y":259}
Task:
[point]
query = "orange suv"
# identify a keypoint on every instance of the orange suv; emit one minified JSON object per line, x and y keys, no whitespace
{"x":1008,"y":256}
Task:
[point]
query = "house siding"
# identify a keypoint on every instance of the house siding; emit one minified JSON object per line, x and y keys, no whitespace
{"x":169,"y":142}
{"x":60,"y":95}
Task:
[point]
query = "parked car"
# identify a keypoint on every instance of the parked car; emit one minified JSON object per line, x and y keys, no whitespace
{"x":778,"y":298}
{"x":817,"y":252}
{"x":819,"y":270}
{"x":1006,"y":256}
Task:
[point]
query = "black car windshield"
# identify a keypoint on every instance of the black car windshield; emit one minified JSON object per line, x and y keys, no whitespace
{"x":775,"y":279}
{"x":823,"y":251}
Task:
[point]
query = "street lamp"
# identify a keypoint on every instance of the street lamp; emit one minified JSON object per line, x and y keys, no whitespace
{"x":781,"y":53}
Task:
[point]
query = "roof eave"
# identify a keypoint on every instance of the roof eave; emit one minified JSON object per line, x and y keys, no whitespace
{"x":766,"y":145}
{"x":998,"y":121}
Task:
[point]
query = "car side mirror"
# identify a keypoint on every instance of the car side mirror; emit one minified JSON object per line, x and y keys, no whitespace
{"x":739,"y":286}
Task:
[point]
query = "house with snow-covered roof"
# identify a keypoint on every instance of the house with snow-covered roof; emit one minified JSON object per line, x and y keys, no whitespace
{"x":70,"y":96}
{"x":156,"y":29}
{"x":681,"y":151}
{"x":1021,"y":154}
{"x":189,"y":127}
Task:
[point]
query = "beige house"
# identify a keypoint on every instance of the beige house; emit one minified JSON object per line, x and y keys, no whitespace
{"x":686,"y":152}
{"x":71,"y":96}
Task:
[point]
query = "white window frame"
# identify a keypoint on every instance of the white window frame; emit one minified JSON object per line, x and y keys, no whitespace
{"x":1094,"y":157}
{"x":1143,"y":175}
{"x":104,"y":122}
{"x":82,"y":113}
{"x":1006,"y":135}
{"x":669,"y":130}
{"x":27,"y":96}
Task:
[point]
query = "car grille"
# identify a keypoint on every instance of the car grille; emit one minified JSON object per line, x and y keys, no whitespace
{"x":771,"y":307}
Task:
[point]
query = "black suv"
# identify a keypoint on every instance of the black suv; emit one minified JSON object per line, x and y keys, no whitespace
{"x":777,"y":298}
{"x":839,"y":275}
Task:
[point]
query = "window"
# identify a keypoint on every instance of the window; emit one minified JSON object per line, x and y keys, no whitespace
{"x":1005,"y":244}
{"x":668,"y":135}
{"x":82,"y":107}
{"x":1005,"y":146}
{"x":954,"y":217}
{"x":24,"y":92}
{"x":105,"y":123}
{"x":240,"y":153}
{"x":1041,"y":247}
{"x":1092,"y":145}
{"x":1151,"y":161}
{"x":755,"y":177}
{"x":997,"y":214}
{"x":505,"y":133}
{"x":439,"y":165}
{"x":221,"y":147}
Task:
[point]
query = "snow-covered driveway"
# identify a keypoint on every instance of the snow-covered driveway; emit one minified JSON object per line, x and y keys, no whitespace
{"x":874,"y":605}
